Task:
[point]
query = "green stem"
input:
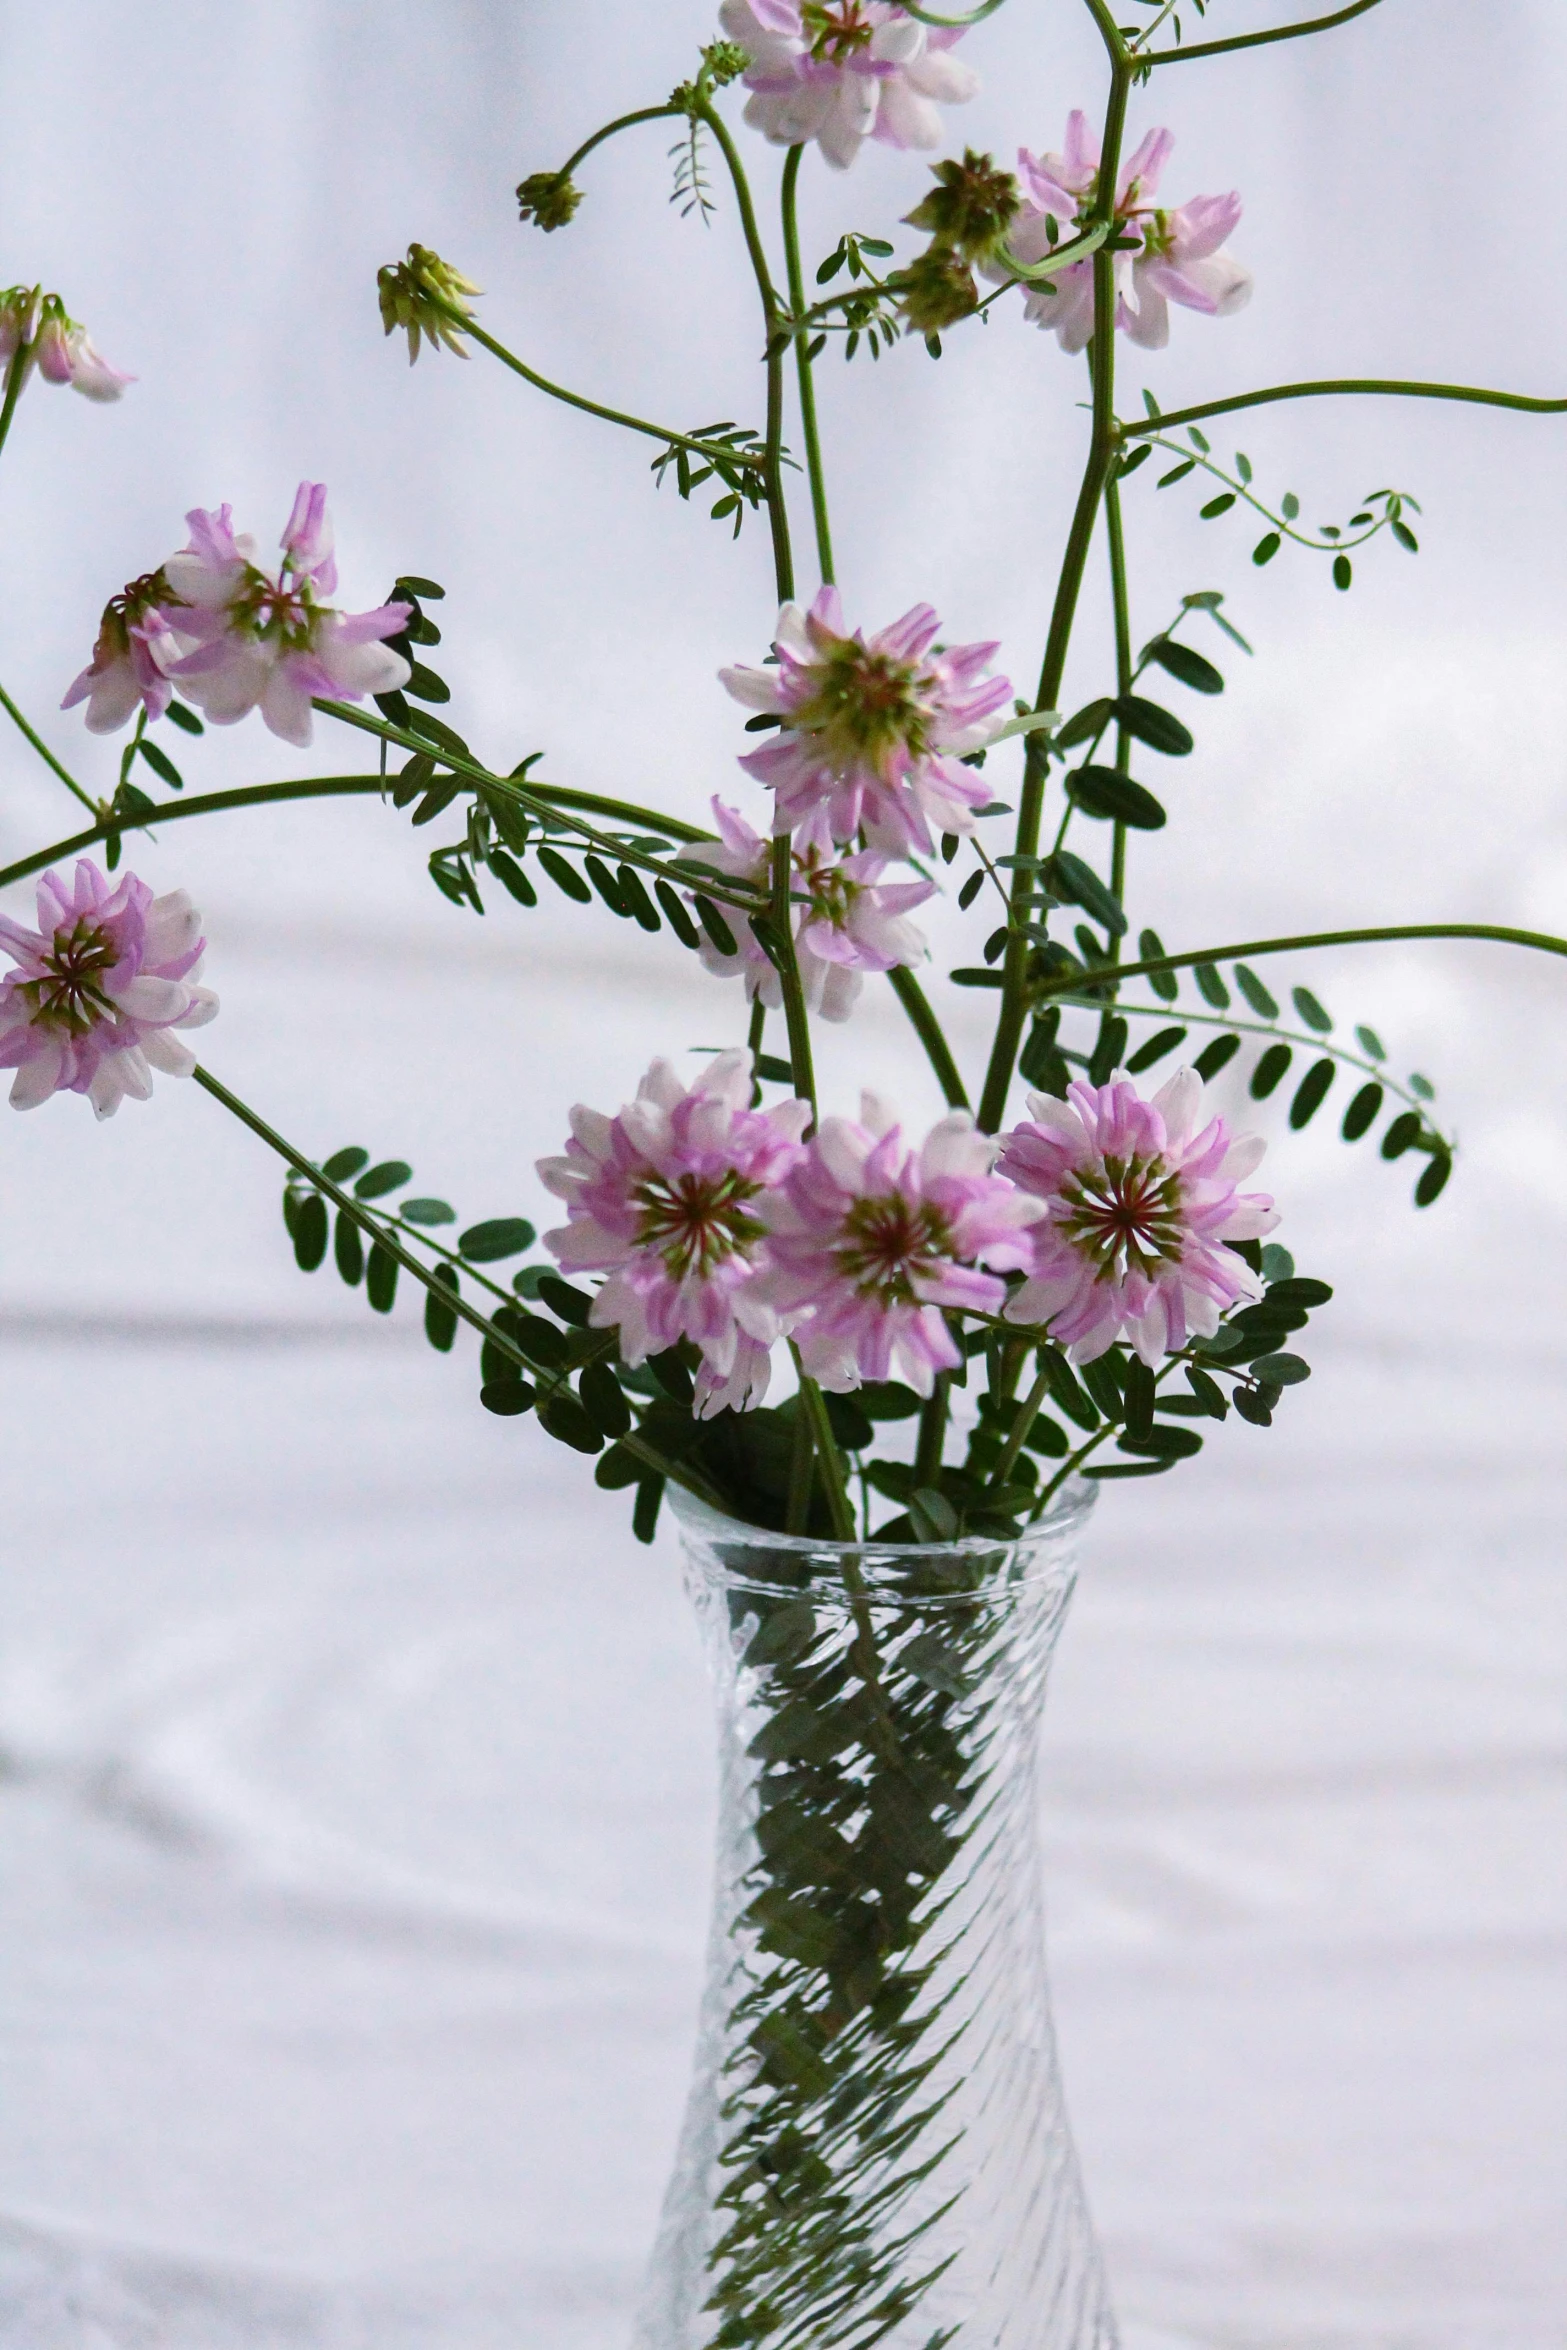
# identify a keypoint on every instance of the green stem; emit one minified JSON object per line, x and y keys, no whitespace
{"x":1101,"y":454}
{"x":1121,"y":605}
{"x":802,"y":1474}
{"x":1027,"y":1414}
{"x":804,"y":365}
{"x":932,"y":1431}
{"x":594,"y":803}
{"x":1356,"y":386}
{"x":16,"y":376}
{"x":377,"y":1232}
{"x":469,"y":325}
{"x":255,"y":795}
{"x":37,"y":741}
{"x":928,"y":1029}
{"x":622,"y":122}
{"x":777,"y":503}
{"x":828,"y":1461}
{"x":1110,"y":34}
{"x":1283,"y":32}
{"x":796,"y":1016}
{"x":1249,"y":948}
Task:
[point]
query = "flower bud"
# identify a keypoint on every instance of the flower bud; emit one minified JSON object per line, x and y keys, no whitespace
{"x":971,"y":207}
{"x":418,"y":296}
{"x":938,"y":290}
{"x":549,"y":198}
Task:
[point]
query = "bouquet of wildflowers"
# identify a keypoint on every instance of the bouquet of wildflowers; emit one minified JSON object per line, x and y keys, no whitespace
{"x":1087,"y":1267}
{"x":811,"y":1319}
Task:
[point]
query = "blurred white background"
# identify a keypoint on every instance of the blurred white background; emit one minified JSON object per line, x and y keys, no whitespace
{"x":355,"y":1792}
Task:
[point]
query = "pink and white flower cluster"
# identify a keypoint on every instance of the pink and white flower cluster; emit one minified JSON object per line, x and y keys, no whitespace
{"x":719,"y":1223}
{"x":235,"y":637}
{"x":99,"y":989}
{"x":870,"y":1237}
{"x":664,"y":1198}
{"x":36,"y":324}
{"x":1180,"y":255}
{"x":843,"y":71}
{"x":874,"y":729}
{"x":1140,"y":1203}
{"x":849,"y":921}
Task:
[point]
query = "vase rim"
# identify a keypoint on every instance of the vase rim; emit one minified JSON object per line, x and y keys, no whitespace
{"x":1068,"y":1514}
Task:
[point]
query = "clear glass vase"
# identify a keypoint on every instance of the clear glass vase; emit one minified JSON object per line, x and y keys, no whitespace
{"x":876,"y":2149}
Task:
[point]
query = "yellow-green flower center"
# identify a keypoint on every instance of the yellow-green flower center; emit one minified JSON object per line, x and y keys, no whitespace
{"x":866,"y":707}
{"x":70,"y":996}
{"x":836,"y":32}
{"x":695,"y":1221}
{"x":1125,"y":1216}
{"x":887,"y":1242}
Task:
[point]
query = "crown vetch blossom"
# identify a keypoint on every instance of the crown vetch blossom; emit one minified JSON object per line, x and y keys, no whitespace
{"x":62,"y":351}
{"x":842,"y":71}
{"x":852,"y":921}
{"x":1139,"y":1205}
{"x":663,"y":1198}
{"x":1180,"y":256}
{"x":255,"y":638}
{"x":874,"y":728}
{"x":99,"y":988}
{"x":871,"y":1237}
{"x":131,"y":660}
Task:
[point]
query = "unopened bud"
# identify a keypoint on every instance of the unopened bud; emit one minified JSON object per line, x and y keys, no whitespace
{"x":548,"y":197}
{"x":971,"y":207}
{"x":938,"y":289}
{"x":419,"y":295}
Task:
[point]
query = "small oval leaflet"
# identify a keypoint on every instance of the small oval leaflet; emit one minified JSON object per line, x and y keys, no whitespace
{"x":506,"y":1397}
{"x":312,"y":1232}
{"x":1261,"y":1001}
{"x":1271,"y":1067}
{"x":427,"y":1211}
{"x":1216,"y":1056}
{"x":390,"y":1175}
{"x":348,"y":1250}
{"x":1310,"y":1010}
{"x":1281,"y":1370}
{"x":381,"y":1279}
{"x":344,"y":1163}
{"x":1108,"y":794}
{"x":1362,"y":1112}
{"x":1163,"y":1041}
{"x":1311,"y":1093}
{"x":1186,"y":663}
{"x":1434,"y":1181}
{"x":487,"y":1243}
{"x":1298,"y":1292}
{"x":1159,"y":728}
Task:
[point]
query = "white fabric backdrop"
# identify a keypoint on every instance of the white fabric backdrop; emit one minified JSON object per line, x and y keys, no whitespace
{"x":356,"y":1786}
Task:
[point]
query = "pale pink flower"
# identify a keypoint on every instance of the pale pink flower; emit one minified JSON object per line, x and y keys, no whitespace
{"x":263,"y":639}
{"x":874,"y":728}
{"x":99,"y":989}
{"x":664,"y":1199}
{"x":851,"y":921}
{"x":842,"y":71}
{"x":1139,"y":1204}
{"x":62,"y":351}
{"x":131,"y":660}
{"x":870,"y":1237}
{"x":1180,"y":256}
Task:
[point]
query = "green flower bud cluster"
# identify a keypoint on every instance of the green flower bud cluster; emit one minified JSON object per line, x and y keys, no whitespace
{"x":549,"y":198}
{"x":418,"y":297}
